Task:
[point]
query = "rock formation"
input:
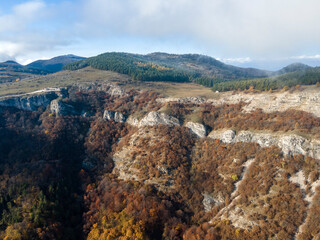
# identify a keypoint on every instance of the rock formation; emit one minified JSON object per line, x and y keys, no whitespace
{"x":58,"y":107}
{"x":290,"y":144}
{"x":197,"y":128}
{"x":114,"y":116}
{"x":156,"y":118}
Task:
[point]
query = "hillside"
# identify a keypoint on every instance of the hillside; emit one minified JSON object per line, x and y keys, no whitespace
{"x":54,"y":64}
{"x":292,"y":68}
{"x":167,"y":67}
{"x":12,"y":71}
{"x":307,"y":76}
{"x":200,"y":69}
{"x":94,"y":160}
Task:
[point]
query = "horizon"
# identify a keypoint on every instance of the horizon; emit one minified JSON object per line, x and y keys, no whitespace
{"x":264,"y":34}
{"x":71,"y":54}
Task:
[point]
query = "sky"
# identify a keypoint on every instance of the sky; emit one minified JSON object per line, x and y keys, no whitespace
{"x":267,"y":34}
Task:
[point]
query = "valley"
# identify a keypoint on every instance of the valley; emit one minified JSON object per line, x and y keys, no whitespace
{"x":95,"y":154}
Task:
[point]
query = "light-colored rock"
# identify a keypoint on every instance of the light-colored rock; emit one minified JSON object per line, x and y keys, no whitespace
{"x":197,"y":128}
{"x":244,"y":136}
{"x":107,"y":87}
{"x":108,"y":115}
{"x":116,"y":91}
{"x":29,"y":102}
{"x":290,"y":144}
{"x":119,"y":117}
{"x":127,"y":164}
{"x":299,"y":179}
{"x":293,"y":144}
{"x":132,"y":121}
{"x":114,"y":116}
{"x":264,"y":139}
{"x":195,"y":100}
{"x":60,"y":108}
{"x":226,"y":136}
{"x":307,"y":100}
{"x":208,"y":202}
{"x":156,"y":118}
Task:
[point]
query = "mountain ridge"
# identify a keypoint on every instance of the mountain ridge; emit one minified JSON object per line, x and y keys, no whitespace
{"x":54,"y":64}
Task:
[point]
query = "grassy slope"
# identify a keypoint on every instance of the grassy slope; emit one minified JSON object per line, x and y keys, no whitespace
{"x":66,"y":78}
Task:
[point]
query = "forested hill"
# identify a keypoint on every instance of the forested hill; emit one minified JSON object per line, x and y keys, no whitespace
{"x":54,"y":64}
{"x":13,"y":71}
{"x":307,"y":76}
{"x":168,"y":67}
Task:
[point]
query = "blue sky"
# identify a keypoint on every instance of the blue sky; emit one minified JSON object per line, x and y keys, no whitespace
{"x":252,"y":33}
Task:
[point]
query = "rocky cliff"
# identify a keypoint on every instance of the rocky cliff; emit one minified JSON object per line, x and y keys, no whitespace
{"x":308,"y":100}
{"x":30,"y":102}
{"x":290,"y":144}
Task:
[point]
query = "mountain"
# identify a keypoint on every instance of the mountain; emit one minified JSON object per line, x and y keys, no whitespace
{"x":199,"y":69}
{"x":13,"y":71}
{"x":54,"y":64}
{"x":296,"y":75}
{"x":204,"y":65}
{"x":292,"y":68}
{"x":168,"y":67}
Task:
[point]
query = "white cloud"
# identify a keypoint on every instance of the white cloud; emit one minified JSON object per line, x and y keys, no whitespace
{"x":22,"y":15}
{"x":229,"y":29}
{"x":317,"y":56}
{"x":257,"y":28}
{"x":235,"y":60}
{"x":10,"y":49}
{"x":33,"y":27}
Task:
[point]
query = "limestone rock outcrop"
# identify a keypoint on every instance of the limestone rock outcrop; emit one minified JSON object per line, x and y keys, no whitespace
{"x":197,"y":128}
{"x":133,"y":121}
{"x":58,"y":107}
{"x":29,"y":102}
{"x":114,"y":116}
{"x":290,"y":144}
{"x":308,"y":101}
{"x":156,"y":118}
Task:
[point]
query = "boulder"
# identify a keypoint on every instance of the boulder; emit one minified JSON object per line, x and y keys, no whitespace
{"x":293,"y":145}
{"x":58,"y":107}
{"x":226,"y":136}
{"x":114,"y":116}
{"x":197,"y":128}
{"x":133,"y":121}
{"x":156,"y":118}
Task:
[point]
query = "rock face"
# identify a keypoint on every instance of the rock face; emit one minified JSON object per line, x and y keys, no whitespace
{"x":290,"y":144}
{"x":116,"y":91}
{"x":208,"y":202}
{"x":156,"y":118}
{"x":114,"y":116}
{"x":60,"y":108}
{"x":133,"y":121}
{"x":29,"y":102}
{"x":109,"y":88}
{"x":185,"y":100}
{"x":308,"y":101}
{"x":197,"y":128}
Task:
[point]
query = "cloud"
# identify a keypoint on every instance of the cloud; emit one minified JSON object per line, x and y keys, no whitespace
{"x":256,"y":28}
{"x":235,"y":60}
{"x":233,"y":30}
{"x":34,"y":27}
{"x":22,"y":15}
{"x":317,"y":56}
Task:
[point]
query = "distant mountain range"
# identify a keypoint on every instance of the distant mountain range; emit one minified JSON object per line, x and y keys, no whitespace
{"x":292,"y":68}
{"x":158,"y":66}
{"x":196,"y":68}
{"x":13,"y":71}
{"x":54,"y":64}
